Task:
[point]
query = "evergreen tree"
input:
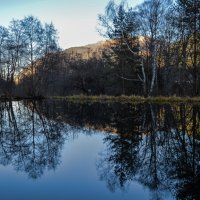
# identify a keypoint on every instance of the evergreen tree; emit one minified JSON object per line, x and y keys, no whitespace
{"x":120,"y":27}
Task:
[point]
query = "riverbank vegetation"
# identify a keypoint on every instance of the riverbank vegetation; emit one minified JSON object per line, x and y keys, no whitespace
{"x":127,"y":99}
{"x":107,"y":99}
{"x":152,"y":50}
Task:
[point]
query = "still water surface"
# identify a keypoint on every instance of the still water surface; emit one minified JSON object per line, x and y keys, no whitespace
{"x":59,"y":150}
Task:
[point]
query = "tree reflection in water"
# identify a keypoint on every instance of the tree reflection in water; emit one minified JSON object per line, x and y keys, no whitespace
{"x":29,"y":141}
{"x":162,"y":152}
{"x":156,"y":145}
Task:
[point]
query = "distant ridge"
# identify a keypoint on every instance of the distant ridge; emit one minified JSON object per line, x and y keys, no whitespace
{"x":95,"y":49}
{"x":87,"y":51}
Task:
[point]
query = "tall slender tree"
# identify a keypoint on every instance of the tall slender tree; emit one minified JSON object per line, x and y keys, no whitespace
{"x":33,"y":34}
{"x":120,"y":28}
{"x":151,"y":16}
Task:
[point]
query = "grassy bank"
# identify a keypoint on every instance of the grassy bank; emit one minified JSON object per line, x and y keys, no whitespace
{"x":122,"y":99}
{"x":129,"y":99}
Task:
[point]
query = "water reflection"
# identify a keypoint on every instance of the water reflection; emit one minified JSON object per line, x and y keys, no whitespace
{"x":155,"y":145}
{"x":29,"y":141}
{"x":162,"y":152}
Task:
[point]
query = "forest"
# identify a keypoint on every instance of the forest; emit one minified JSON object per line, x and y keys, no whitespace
{"x":152,"y":49}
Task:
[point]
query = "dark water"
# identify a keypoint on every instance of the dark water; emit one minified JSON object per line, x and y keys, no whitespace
{"x":57,"y":150}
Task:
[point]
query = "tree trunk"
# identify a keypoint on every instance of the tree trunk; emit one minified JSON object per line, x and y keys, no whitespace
{"x":154,"y":70}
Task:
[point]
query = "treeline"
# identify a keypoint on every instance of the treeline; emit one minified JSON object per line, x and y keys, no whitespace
{"x":152,"y":49}
{"x":22,"y":45}
{"x":159,"y":40}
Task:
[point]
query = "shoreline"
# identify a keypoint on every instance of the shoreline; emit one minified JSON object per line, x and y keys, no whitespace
{"x":105,"y":98}
{"x":127,"y":99}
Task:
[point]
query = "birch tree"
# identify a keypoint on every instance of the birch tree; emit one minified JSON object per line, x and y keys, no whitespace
{"x":151,"y":15}
{"x":33,"y":33}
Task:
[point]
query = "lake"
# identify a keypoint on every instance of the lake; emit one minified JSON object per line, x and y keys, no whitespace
{"x":99,"y":151}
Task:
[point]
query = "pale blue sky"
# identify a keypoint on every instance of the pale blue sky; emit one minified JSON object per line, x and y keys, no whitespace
{"x":75,"y":20}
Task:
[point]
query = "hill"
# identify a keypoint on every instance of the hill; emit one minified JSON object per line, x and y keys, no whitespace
{"x":87,"y":51}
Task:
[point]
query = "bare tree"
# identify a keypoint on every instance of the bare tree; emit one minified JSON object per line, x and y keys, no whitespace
{"x":3,"y":41}
{"x":33,"y":33}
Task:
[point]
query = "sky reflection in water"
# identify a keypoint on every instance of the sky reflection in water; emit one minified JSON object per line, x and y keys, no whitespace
{"x":59,"y":150}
